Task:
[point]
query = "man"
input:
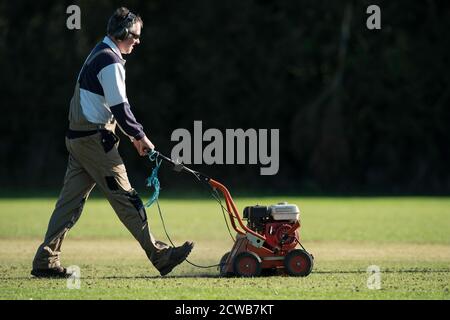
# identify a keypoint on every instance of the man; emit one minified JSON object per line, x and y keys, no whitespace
{"x":98,"y":104}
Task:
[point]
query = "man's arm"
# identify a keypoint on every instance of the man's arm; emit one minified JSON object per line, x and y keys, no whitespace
{"x":112,"y":79}
{"x":126,"y":120}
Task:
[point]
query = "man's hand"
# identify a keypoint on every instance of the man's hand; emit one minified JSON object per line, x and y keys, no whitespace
{"x":143,"y":146}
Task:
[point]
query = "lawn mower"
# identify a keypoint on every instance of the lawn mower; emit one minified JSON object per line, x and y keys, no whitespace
{"x":266,"y":245}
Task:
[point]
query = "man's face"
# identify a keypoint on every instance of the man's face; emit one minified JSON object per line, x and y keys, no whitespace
{"x":127,"y":45}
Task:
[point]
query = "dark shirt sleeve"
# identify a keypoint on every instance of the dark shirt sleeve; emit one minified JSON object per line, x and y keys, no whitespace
{"x":126,"y":120}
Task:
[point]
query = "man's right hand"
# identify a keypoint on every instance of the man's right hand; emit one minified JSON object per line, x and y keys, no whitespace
{"x":143,"y":146}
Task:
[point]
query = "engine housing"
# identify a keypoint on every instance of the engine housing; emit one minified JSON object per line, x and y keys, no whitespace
{"x":275,"y":222}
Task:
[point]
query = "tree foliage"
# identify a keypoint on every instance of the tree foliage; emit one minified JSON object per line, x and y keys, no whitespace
{"x":358,"y":110}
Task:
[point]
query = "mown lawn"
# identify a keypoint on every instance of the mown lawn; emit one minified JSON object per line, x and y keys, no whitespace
{"x":407,"y":237}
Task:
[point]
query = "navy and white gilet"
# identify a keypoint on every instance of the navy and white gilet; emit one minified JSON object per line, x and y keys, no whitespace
{"x":100,"y":94}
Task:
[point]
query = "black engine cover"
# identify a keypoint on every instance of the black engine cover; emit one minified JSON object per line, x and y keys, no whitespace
{"x":257,"y":216}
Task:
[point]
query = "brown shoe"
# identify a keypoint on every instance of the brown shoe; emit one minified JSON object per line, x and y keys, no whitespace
{"x":178,"y":255}
{"x":57,"y":272}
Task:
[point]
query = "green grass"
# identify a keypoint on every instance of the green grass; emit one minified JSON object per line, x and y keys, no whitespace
{"x":407,"y":237}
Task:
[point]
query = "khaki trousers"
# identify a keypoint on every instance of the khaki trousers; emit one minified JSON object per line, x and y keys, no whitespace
{"x":91,"y":164}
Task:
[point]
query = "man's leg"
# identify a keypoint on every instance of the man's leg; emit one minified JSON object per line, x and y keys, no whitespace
{"x":131,"y":211}
{"x":108,"y":171}
{"x":77,"y":186}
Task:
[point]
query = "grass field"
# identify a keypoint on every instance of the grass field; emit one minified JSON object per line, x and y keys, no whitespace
{"x":407,"y":237}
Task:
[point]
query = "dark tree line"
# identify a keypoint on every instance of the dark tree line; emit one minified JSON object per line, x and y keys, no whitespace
{"x":358,"y":110}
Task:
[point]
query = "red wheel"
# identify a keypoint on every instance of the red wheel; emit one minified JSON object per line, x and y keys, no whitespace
{"x":298,"y":263}
{"x":247,"y":264}
{"x":223,"y":265}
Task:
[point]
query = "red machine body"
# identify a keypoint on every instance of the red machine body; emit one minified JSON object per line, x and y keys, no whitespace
{"x":277,"y":235}
{"x":267,"y":244}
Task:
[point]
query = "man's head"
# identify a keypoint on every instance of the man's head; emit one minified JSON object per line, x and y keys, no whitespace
{"x":124,"y":28}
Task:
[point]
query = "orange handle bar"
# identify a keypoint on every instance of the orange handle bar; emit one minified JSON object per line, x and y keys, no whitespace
{"x":232,"y":210}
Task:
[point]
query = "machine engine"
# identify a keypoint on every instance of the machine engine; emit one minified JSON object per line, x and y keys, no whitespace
{"x":278,"y":223}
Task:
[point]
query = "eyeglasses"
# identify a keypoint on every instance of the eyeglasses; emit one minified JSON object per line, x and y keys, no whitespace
{"x":134,"y":35}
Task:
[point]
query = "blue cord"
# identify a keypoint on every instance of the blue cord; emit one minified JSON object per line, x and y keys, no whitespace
{"x":153,"y":179}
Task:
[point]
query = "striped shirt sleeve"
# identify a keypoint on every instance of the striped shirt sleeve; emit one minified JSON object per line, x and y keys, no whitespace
{"x":112,"y":79}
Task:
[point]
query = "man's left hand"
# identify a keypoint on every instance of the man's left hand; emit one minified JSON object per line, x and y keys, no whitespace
{"x":143,"y":146}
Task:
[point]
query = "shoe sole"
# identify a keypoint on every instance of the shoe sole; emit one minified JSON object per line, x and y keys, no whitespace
{"x":50,"y":274}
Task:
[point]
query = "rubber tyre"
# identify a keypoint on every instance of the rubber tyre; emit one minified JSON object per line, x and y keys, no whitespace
{"x":222,"y":265}
{"x":247,"y":264}
{"x":298,"y":263}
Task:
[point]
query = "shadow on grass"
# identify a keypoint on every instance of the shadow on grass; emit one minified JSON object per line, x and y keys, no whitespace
{"x":217,"y":276}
